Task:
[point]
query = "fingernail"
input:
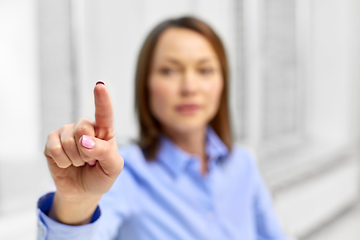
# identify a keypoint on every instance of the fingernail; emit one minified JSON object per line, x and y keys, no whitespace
{"x":92,"y":163}
{"x":87,"y":142}
{"x":100,"y":82}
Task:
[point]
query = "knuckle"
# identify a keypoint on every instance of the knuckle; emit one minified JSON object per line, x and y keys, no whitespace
{"x":69,"y":143}
{"x":55,"y":150}
{"x":67,"y":128}
{"x":52,"y":134}
{"x":84,"y":126}
{"x":81,"y":130}
{"x":83,"y":121}
{"x":68,"y":125}
{"x":64,"y":127}
{"x":104,"y":133}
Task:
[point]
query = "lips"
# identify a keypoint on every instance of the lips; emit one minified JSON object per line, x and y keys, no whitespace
{"x":187,"y":109}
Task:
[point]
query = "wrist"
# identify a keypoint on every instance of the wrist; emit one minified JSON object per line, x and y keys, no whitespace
{"x":76,"y":198}
{"x":73,"y":211}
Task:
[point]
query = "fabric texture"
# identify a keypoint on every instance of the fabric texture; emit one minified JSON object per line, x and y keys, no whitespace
{"x":169,"y":198}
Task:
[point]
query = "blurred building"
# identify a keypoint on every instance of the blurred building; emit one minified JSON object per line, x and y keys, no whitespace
{"x":295,"y":86}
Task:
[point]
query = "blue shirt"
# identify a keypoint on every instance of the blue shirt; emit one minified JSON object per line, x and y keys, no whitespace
{"x":169,"y":198}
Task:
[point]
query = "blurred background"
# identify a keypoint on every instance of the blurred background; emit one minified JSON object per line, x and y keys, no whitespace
{"x":295,"y":86}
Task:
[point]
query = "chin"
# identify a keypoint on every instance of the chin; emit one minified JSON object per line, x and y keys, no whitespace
{"x":187,"y":127}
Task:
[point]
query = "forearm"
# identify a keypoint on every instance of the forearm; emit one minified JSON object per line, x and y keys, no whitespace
{"x":73,"y":212}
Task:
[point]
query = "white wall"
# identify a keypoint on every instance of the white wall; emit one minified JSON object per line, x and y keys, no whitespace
{"x":20,"y":121}
{"x":333,"y":57}
{"x":329,"y":182}
{"x":19,"y":83}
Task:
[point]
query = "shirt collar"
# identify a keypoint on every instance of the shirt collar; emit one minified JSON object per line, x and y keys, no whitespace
{"x":175,"y":159}
{"x":215,"y":148}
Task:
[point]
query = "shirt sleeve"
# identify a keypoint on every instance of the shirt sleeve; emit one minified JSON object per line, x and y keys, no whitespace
{"x":267,"y":223}
{"x":114,"y":208}
{"x":51,"y":229}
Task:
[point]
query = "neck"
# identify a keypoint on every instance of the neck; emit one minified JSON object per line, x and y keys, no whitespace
{"x":192,"y":142}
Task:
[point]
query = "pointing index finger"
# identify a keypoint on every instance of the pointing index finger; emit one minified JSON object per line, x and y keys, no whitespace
{"x":104,"y":115}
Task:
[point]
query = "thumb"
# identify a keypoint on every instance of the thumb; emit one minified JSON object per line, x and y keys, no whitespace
{"x":106,"y":152}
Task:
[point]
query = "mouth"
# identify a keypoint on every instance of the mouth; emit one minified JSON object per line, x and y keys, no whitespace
{"x":187,"y":109}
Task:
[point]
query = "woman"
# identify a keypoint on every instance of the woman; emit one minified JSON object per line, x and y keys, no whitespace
{"x":183,"y":179}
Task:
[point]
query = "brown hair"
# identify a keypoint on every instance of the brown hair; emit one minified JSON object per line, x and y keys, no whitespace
{"x":150,"y":129}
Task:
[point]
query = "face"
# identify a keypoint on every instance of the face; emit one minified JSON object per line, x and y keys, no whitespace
{"x":185,"y":81}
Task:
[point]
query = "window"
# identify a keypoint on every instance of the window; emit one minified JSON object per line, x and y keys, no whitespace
{"x":273,"y":78}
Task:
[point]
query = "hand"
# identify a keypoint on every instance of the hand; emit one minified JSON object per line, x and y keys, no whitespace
{"x":84,"y":162}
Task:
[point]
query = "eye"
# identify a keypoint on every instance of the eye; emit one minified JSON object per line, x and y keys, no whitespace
{"x":206,"y":71}
{"x":167,"y":71}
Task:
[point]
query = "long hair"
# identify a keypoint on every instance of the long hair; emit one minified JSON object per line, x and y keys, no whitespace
{"x":150,"y":129}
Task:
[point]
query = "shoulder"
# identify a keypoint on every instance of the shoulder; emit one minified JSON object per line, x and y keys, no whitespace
{"x":243,"y":159}
{"x":243,"y":155}
{"x":242,"y":151}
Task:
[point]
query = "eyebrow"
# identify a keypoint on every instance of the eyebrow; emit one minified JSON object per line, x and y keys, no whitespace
{"x":174,"y":61}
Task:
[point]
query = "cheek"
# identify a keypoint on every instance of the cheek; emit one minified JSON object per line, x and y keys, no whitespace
{"x":213,"y":93}
{"x":161,"y":95}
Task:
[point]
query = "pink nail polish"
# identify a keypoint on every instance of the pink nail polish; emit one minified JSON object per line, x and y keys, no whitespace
{"x":87,"y":142}
{"x":92,"y":163}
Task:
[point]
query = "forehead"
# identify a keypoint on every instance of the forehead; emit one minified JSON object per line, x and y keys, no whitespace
{"x":184,"y":44}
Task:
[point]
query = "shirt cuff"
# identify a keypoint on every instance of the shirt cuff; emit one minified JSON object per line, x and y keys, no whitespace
{"x":51,"y":229}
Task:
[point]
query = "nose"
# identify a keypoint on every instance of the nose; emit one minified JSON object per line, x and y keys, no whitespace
{"x":189,"y":84}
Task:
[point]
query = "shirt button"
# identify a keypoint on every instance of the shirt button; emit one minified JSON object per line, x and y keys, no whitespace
{"x":210,"y":215}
